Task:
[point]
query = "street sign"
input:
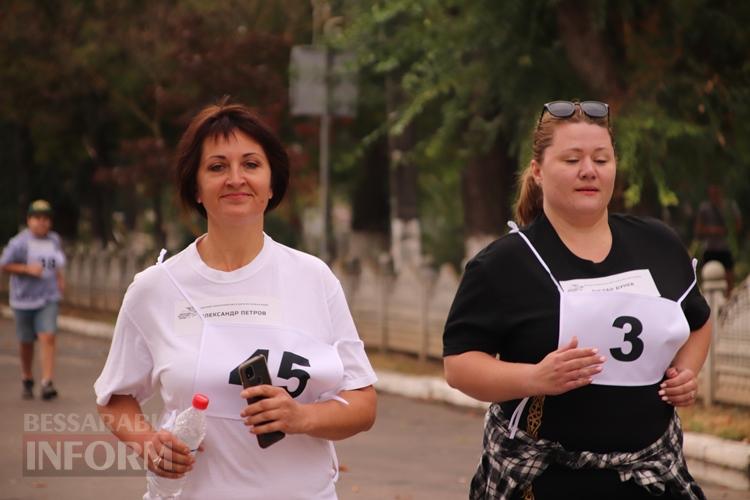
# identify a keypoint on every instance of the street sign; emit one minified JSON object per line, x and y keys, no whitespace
{"x":311,"y":68}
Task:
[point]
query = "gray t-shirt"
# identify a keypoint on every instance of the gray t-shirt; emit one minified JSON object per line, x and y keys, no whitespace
{"x":30,"y":292}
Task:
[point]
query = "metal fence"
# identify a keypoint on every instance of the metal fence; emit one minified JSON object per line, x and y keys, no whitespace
{"x":725,"y":376}
{"x":97,"y":279}
{"x":402,"y":312}
{"x":405,"y":312}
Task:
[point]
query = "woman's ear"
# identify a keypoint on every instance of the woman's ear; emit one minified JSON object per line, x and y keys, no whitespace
{"x":536,"y":172}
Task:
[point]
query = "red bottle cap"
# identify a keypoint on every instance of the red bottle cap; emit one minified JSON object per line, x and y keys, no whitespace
{"x":200,"y":401}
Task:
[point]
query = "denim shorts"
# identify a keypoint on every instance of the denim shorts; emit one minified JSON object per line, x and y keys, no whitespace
{"x":29,"y":322}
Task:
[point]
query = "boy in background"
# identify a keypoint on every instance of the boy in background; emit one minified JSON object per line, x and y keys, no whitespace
{"x":34,"y":259}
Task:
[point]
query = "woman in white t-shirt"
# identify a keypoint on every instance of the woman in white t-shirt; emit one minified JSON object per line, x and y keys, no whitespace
{"x":188,"y":322}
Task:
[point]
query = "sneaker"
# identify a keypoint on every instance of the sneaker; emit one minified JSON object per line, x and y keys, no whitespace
{"x":48,"y":391}
{"x":28,"y":385}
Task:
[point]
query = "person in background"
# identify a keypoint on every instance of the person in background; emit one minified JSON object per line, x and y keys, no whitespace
{"x":716,"y":219}
{"x":35,"y":260}
{"x":583,"y":328}
{"x":187,"y":323}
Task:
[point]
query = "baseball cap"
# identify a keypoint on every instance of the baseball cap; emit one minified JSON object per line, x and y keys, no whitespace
{"x":40,"y":207}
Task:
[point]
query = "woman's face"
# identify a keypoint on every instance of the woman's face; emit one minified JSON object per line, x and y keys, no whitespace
{"x":577,"y":173}
{"x":234,"y":179}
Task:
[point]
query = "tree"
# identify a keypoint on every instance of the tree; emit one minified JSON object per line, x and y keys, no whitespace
{"x":465,"y":70}
{"x":475,"y":75}
{"x":99,"y":91}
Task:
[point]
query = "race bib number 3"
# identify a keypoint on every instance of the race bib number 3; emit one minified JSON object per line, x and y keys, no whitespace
{"x":639,"y":335}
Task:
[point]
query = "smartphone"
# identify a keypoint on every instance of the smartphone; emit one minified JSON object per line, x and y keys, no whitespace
{"x":254,"y":372}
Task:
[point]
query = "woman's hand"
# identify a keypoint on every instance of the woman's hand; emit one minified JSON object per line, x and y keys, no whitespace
{"x":567,"y":368}
{"x":277,"y":412}
{"x":680,"y":388}
{"x":167,"y":456}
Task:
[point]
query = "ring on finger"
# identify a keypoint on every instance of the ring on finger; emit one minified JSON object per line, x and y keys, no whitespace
{"x":157,"y":461}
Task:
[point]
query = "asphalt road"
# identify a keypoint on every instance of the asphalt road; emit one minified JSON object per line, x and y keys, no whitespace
{"x":417,"y":450}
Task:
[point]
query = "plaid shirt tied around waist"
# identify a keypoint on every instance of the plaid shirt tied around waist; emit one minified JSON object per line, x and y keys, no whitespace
{"x":510,"y":465}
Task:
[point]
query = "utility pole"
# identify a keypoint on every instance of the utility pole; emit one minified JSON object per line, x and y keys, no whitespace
{"x":322,"y":84}
{"x":321,"y":12}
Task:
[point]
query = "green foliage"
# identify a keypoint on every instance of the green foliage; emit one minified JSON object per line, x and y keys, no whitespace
{"x":476,"y":70}
{"x":644,"y":136}
{"x":95,"y":93}
{"x":101,"y":90}
{"x":458,"y":65}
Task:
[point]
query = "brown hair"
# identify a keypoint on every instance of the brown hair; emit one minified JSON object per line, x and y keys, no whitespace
{"x":528,"y":205}
{"x":223,"y":120}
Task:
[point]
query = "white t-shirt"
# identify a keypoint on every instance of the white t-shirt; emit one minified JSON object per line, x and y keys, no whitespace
{"x":156,"y":345}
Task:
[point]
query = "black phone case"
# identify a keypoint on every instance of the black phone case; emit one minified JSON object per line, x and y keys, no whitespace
{"x":254,"y":372}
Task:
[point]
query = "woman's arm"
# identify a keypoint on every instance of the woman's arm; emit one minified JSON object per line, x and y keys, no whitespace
{"x":331,"y":419}
{"x":124,"y":417}
{"x":693,"y":353}
{"x":681,"y":386}
{"x":486,"y":378}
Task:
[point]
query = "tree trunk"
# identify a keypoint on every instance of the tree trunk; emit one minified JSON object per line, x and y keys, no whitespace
{"x":487,"y":187}
{"x":370,"y":215}
{"x":649,"y":204}
{"x":588,"y":52}
{"x":160,"y":235}
{"x":406,"y":245}
{"x":102,"y":213}
{"x":22,"y":154}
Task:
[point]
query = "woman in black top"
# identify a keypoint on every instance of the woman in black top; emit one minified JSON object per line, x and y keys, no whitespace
{"x":585,"y":328}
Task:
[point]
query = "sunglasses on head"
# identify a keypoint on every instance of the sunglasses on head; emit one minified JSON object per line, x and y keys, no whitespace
{"x":566,"y":109}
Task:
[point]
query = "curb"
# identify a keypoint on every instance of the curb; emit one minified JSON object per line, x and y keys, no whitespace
{"x":719,"y":461}
{"x":424,"y":387}
{"x":711,"y":459}
{"x":98,"y":329}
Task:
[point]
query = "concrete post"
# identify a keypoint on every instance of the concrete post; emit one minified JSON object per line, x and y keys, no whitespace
{"x":714,"y":286}
{"x":385,"y":272}
{"x":427,"y":279}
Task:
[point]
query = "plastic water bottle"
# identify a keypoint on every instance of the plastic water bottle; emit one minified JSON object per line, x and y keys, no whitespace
{"x":190,"y":428}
